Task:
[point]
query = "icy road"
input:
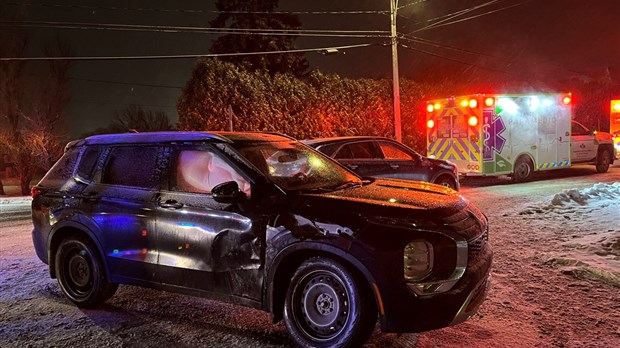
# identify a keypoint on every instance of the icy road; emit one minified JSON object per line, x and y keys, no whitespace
{"x":556,"y":282}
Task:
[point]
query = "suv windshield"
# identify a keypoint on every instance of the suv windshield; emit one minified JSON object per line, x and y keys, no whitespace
{"x":293,"y":166}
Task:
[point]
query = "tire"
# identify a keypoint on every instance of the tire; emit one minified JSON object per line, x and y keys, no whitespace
{"x":326,"y":307}
{"x":81,"y":274}
{"x":523,"y":169}
{"x":446,"y":181}
{"x":603,"y":161}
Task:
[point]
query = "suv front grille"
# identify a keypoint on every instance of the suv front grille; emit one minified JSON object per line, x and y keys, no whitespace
{"x":475,"y":246}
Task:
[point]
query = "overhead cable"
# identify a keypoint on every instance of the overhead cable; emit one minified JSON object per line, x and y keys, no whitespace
{"x":147,"y":9}
{"x":200,"y":30}
{"x":189,"y":56}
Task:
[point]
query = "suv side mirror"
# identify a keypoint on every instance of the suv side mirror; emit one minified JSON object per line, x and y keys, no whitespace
{"x":228,"y":192}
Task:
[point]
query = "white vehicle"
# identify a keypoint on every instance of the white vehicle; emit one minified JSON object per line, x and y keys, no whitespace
{"x":490,"y":135}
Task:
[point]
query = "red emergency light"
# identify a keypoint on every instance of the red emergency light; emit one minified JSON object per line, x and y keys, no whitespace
{"x":472,"y":121}
{"x":615,"y":106}
{"x":473,"y":103}
{"x":430,"y":124}
{"x":566,"y":100}
{"x":430,"y":108}
{"x":489,"y":101}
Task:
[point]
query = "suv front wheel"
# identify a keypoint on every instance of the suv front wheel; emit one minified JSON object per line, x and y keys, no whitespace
{"x":325,"y":306}
{"x":80,"y":273}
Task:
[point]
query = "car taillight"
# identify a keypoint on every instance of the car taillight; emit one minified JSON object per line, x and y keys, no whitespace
{"x":35,"y":191}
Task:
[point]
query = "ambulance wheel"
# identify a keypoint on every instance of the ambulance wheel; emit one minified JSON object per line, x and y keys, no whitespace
{"x":603,"y":162}
{"x":523,"y":170}
{"x":446,"y":181}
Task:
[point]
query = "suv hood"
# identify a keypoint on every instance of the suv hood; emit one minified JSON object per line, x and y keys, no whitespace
{"x":386,"y":198}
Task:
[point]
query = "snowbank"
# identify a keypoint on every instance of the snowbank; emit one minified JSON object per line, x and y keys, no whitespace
{"x":588,"y":222}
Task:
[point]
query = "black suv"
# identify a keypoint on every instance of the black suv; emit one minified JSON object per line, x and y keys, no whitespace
{"x":370,"y":156}
{"x":263,"y":221}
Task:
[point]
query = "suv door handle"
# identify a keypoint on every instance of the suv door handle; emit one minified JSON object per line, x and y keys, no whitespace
{"x":353,"y":166}
{"x":170,"y":204}
{"x":394,"y":166}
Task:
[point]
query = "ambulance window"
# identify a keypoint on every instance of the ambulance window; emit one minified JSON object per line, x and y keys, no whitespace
{"x":443,"y":127}
{"x":459,"y":126}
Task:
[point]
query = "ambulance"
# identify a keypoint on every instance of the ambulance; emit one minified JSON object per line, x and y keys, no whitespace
{"x":512,"y":134}
{"x":614,"y":125}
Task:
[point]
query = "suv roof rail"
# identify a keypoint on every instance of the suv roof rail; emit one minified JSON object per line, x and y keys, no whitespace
{"x":153,"y":137}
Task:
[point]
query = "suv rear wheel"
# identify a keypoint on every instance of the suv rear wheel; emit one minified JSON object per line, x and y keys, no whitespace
{"x":325,"y":306}
{"x":80,"y":273}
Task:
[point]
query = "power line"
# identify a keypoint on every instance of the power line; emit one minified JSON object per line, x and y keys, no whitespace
{"x":200,"y":30}
{"x":456,"y":60}
{"x":453,"y":15}
{"x":420,"y":40}
{"x":475,"y":16}
{"x":186,"y":56}
{"x":147,"y":9}
{"x":447,"y":21}
{"x":411,"y":4}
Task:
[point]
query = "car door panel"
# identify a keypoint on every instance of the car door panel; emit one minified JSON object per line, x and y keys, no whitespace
{"x":204,"y":244}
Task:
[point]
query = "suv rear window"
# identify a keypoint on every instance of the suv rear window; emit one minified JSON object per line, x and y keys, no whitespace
{"x":62,"y":171}
{"x":132,"y":166}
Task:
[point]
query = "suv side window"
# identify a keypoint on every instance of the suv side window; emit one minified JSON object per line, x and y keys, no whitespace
{"x":328,"y":149}
{"x":135,"y":166}
{"x":62,"y":171}
{"x":198,"y":171}
{"x":88,"y":162}
{"x":392,"y":152}
{"x":358,"y":150}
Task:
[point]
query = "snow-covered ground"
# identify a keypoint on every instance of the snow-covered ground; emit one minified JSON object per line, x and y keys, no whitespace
{"x":556,"y":244}
{"x":591,"y":216}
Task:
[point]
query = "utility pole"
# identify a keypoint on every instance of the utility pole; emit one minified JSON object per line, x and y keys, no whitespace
{"x":396,"y":89}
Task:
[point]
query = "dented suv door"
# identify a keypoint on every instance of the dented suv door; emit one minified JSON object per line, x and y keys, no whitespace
{"x":204,"y":244}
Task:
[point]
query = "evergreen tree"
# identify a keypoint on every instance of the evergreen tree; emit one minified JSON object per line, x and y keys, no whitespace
{"x":259,"y":16}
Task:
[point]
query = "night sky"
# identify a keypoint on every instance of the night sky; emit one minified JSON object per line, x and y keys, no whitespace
{"x":549,"y":39}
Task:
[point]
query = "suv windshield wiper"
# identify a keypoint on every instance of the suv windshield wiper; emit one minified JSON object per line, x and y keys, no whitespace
{"x":349,"y":184}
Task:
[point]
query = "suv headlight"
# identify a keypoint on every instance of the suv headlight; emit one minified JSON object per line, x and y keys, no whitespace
{"x":419,"y":264}
{"x":418,"y":260}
